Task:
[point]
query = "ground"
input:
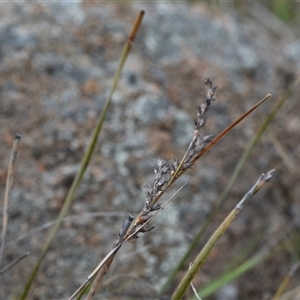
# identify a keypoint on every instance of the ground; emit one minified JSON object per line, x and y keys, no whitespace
{"x":57,"y":62}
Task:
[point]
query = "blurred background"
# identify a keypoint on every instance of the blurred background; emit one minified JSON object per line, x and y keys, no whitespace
{"x":57,"y":61}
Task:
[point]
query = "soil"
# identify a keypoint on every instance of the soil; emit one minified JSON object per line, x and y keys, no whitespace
{"x":57,"y":61}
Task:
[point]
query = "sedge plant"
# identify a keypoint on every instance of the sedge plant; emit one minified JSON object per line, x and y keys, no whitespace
{"x":165,"y":175}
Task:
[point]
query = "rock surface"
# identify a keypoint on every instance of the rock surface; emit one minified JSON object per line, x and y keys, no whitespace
{"x":56,"y":64}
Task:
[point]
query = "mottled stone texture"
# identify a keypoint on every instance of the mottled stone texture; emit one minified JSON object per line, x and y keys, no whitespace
{"x":57,"y":61}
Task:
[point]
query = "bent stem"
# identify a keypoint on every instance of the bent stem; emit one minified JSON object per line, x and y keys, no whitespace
{"x":13,"y":263}
{"x":88,"y":154}
{"x":191,"y":273}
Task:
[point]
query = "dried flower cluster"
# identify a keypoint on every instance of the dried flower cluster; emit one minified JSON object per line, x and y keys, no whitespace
{"x":167,"y":173}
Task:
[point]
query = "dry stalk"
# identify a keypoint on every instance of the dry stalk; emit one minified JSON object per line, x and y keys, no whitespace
{"x":9,"y":182}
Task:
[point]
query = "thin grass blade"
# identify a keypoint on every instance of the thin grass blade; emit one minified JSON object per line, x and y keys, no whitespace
{"x":230,"y":276}
{"x":286,"y":281}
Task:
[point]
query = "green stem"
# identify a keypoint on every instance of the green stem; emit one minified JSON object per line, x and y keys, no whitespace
{"x":87,"y":156}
